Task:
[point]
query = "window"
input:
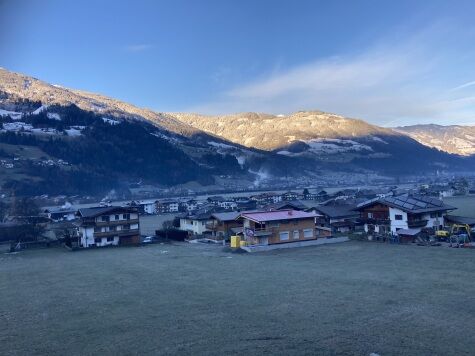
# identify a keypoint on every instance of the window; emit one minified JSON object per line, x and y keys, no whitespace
{"x":112,"y":228}
{"x":98,"y":240}
{"x":398,"y":217}
{"x":110,"y":239}
{"x":105,"y":218}
{"x":97,"y":229}
{"x":284,"y":236}
{"x":117,"y":216}
{"x":126,"y":216}
{"x":296,"y":235}
{"x":126,"y":227}
{"x":308,"y":233}
{"x":370,"y":215}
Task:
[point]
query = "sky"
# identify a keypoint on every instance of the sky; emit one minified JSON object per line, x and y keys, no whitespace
{"x":390,"y":63}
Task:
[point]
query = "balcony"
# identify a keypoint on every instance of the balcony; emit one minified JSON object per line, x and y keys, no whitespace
{"x":116,"y":233}
{"x":374,"y":221}
{"x":266,"y":231}
{"x":211,"y":226}
{"x":411,"y":224}
{"x":117,"y":222}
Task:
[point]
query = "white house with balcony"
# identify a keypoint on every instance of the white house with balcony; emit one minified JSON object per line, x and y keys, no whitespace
{"x":391,"y":214}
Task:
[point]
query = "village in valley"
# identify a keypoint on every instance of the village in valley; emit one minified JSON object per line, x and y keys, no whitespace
{"x":421,"y":214}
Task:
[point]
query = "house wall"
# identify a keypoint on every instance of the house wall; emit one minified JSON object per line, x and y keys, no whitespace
{"x":377,"y":211}
{"x":435,"y":221}
{"x":150,"y":208}
{"x":223,"y":228}
{"x":112,"y":217}
{"x":397,"y":224}
{"x":278,"y":227}
{"x":196,"y":227}
{"x":115,"y":225}
{"x":87,"y":236}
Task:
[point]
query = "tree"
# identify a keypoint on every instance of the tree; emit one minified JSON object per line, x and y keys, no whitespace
{"x":3,"y":210}
{"x":24,"y":207}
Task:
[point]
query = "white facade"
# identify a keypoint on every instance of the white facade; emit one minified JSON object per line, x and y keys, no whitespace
{"x":227,"y":204}
{"x":190,"y":205}
{"x":86,"y":233}
{"x":399,"y":219}
{"x":435,"y":220}
{"x":149,"y":207}
{"x":196,"y":227}
{"x":167,"y":207}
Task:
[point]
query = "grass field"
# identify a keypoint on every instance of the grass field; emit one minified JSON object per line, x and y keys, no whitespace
{"x":353,"y":298}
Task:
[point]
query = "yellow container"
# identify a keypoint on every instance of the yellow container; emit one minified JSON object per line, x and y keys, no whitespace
{"x":243,"y":243}
{"x":235,"y":241}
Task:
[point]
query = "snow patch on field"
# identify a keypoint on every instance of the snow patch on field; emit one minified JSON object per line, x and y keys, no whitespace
{"x":285,"y":153}
{"x":220,"y":145}
{"x":39,"y":110}
{"x":73,"y":132}
{"x":13,"y":114}
{"x":379,"y":139}
{"x":335,"y":145}
{"x":110,"y":121}
{"x":53,"y":116}
{"x":47,"y":131}
{"x":17,"y":126}
{"x":330,"y":146}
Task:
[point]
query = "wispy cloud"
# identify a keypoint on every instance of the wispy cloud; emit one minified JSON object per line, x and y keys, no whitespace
{"x":398,"y":84}
{"x":141,"y":47}
{"x":463,"y":86}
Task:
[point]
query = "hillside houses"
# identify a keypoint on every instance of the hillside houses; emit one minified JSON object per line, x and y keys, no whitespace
{"x":388,"y":215}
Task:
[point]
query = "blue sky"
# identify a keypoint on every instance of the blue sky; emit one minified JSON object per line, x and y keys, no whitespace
{"x":388,"y":62}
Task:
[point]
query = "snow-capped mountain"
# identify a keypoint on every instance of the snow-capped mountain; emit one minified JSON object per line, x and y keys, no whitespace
{"x":453,"y":139}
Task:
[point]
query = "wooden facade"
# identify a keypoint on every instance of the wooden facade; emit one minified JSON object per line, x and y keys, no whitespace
{"x":277,"y":231}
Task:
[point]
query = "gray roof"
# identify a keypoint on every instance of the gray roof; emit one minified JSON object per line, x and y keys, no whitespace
{"x":338,"y":211}
{"x":410,"y":203}
{"x":228,"y":216}
{"x":295,"y":204}
{"x":97,"y":211}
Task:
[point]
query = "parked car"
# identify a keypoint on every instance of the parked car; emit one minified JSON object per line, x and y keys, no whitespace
{"x":147,"y":240}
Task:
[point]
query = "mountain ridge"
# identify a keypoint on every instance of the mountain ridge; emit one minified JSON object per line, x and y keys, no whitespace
{"x":245,"y":147}
{"x":456,"y":139}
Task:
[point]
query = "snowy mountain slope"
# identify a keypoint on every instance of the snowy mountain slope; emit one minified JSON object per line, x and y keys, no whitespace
{"x":270,"y":132}
{"x":453,"y":139}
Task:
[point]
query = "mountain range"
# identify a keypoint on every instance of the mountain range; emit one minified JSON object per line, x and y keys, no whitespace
{"x":57,"y":140}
